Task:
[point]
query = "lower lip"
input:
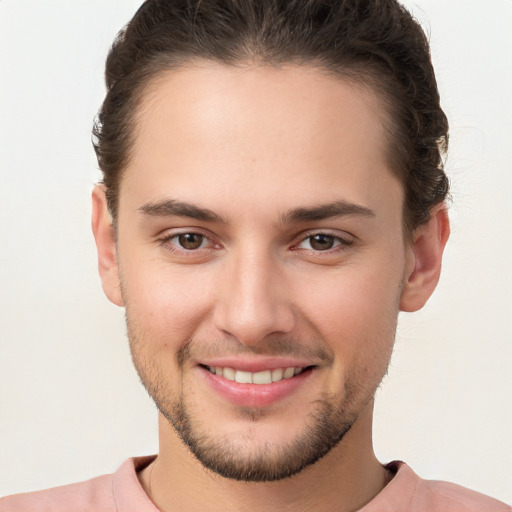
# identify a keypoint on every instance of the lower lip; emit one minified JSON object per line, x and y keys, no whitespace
{"x":255,"y":395}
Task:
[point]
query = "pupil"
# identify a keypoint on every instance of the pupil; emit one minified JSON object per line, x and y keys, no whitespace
{"x":191,"y":240}
{"x":322,"y":242}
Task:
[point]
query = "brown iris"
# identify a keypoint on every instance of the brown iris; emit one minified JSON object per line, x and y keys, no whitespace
{"x":321,"y":242}
{"x":190,"y":240}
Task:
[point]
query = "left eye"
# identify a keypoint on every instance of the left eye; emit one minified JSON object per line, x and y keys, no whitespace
{"x":189,"y":241}
{"x":320,"y":242}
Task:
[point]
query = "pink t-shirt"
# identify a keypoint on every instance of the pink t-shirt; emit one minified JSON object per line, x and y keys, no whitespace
{"x":122,"y":492}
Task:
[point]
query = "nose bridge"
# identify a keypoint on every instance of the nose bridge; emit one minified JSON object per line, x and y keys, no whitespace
{"x":252,"y":304}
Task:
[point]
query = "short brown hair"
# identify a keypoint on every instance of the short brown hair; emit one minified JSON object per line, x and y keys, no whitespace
{"x":376,"y":43}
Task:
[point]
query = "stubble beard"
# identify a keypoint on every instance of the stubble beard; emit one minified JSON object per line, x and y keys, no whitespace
{"x":270,"y":462}
{"x":329,"y":422}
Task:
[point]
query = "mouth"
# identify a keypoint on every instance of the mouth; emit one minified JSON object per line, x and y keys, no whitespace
{"x":263,"y":377}
{"x":260,"y":388}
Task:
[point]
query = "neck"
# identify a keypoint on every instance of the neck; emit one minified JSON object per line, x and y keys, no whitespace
{"x":344,"y":480}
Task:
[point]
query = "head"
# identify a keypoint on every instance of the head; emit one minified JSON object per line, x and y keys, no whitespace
{"x":378,"y":46}
{"x":272,"y":197}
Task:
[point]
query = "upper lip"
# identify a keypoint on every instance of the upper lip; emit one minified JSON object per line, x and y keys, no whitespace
{"x":254,"y":365}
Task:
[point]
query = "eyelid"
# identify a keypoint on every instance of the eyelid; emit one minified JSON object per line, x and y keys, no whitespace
{"x":345,"y":239}
{"x":168,"y":235}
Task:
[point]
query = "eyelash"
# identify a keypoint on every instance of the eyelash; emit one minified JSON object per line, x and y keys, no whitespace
{"x":167,"y":242}
{"x":340,"y":243}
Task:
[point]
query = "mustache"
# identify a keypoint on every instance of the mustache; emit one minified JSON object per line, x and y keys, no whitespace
{"x":196,"y":349}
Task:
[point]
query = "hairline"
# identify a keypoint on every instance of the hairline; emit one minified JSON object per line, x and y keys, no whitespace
{"x":361,"y":81}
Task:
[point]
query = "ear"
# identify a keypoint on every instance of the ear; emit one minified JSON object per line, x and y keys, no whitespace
{"x":425,"y":256}
{"x":103,"y":231}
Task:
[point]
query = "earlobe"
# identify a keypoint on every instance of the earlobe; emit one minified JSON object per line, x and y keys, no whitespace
{"x":426,"y":253}
{"x":103,"y":231}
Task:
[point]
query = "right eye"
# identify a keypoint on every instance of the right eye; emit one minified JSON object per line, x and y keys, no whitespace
{"x":189,"y":241}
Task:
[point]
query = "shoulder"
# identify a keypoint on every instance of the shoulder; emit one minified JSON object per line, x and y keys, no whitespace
{"x":437,"y":495}
{"x":408,"y":492}
{"x":92,"y":495}
{"x":120,"y":491}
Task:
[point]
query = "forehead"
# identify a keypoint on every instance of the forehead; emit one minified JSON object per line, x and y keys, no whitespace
{"x":258,"y":131}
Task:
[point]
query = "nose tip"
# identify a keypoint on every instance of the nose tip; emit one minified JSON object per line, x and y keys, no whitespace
{"x":252,"y":305}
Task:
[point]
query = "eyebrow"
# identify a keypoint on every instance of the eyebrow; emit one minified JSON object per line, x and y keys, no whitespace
{"x":172,"y":208}
{"x":338,"y":208}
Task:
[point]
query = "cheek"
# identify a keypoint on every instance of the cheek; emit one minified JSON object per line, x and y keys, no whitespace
{"x":355,"y":308}
{"x":166,"y":303}
{"x":357,"y":321}
{"x":353,"y":294}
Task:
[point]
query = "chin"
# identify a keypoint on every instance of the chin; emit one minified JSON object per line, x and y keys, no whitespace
{"x":255,"y":449}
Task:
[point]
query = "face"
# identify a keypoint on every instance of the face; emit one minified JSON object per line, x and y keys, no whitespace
{"x":261,"y":261}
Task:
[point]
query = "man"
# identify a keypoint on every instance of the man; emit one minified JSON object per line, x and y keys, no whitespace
{"x":273,"y":196}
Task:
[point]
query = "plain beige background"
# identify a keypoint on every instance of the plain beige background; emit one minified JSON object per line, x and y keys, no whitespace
{"x":71,"y":406}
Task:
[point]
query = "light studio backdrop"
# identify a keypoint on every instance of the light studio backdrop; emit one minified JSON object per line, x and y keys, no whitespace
{"x":71,"y":406}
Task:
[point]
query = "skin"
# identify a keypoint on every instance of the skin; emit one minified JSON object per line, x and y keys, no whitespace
{"x":253,"y":145}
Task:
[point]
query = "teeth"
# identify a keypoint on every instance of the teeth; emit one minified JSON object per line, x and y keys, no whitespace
{"x":264,"y":377}
{"x":243,"y":377}
{"x":289,"y":372}
{"x":277,"y":374}
{"x":228,"y":373}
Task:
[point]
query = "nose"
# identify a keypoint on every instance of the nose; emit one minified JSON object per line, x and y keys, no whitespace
{"x":253,"y":302}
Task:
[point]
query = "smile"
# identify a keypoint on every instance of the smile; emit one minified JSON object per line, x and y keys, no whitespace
{"x":262,"y":377}
{"x":256,"y":382}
